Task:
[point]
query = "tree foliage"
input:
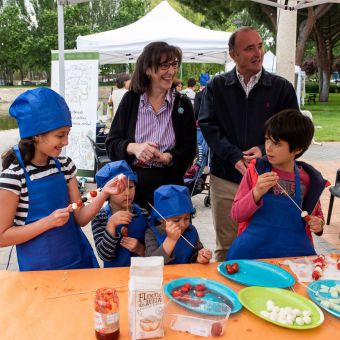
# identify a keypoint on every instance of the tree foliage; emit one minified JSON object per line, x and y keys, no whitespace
{"x":29,"y":29}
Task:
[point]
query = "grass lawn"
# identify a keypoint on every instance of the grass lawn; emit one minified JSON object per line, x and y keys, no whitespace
{"x":326,"y":115}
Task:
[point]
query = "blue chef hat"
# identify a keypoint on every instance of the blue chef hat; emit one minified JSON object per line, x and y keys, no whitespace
{"x":40,"y":110}
{"x":110,"y":170}
{"x":172,"y":200}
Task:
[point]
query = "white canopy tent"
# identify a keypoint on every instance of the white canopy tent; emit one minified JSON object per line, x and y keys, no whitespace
{"x":163,"y":23}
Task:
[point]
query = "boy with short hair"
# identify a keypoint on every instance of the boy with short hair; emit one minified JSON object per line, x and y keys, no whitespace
{"x":270,"y":224}
{"x":119,"y":228}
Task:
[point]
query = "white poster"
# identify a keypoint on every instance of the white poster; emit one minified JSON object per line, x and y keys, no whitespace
{"x":81,"y":95}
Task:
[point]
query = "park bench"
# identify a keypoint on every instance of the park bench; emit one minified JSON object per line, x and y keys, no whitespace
{"x":311,"y":98}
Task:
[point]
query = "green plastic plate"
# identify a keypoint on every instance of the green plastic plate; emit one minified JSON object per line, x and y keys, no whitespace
{"x":255,"y":298}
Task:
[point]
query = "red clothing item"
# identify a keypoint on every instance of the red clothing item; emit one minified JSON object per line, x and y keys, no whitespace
{"x":244,"y":205}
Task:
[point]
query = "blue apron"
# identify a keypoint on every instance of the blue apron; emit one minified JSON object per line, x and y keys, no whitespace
{"x":182,"y":251}
{"x":64,"y":247}
{"x":136,"y":229}
{"x":275,"y":230}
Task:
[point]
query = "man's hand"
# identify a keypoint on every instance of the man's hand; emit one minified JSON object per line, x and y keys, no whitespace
{"x":241,"y":166}
{"x":252,"y":153}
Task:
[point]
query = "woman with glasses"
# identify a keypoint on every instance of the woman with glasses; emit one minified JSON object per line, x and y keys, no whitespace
{"x":154,"y":127}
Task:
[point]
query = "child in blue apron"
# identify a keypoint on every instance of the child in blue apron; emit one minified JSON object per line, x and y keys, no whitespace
{"x":119,"y":228}
{"x":173,"y":209}
{"x":270,"y":222}
{"x":38,"y":187}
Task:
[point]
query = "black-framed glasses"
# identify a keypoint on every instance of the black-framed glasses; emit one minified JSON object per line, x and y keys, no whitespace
{"x":166,"y":66}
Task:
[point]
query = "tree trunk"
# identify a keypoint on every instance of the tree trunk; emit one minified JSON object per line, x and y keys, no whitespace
{"x":305,"y":29}
{"x":324,"y":65}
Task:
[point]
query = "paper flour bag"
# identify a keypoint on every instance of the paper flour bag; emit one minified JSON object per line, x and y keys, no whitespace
{"x":146,"y":299}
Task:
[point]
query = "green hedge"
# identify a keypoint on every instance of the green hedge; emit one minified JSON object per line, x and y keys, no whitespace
{"x":313,"y":87}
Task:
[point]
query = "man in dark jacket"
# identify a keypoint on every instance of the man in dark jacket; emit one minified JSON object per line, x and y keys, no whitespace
{"x":234,"y":109}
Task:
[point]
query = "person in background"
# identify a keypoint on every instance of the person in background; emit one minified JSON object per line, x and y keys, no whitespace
{"x":173,"y":202}
{"x":119,"y":228}
{"x":203,"y":79}
{"x":178,"y":85}
{"x":122,"y":83}
{"x":234,"y":108}
{"x":190,"y":91}
{"x":270,"y":224}
{"x":38,"y":188}
{"x":154,"y":127}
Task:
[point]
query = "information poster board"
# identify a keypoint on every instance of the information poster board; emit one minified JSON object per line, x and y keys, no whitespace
{"x":81,"y":95}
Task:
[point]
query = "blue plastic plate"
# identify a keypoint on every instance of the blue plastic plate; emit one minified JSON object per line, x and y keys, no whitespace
{"x":220,"y":293}
{"x":316,"y":286}
{"x":257,"y":273}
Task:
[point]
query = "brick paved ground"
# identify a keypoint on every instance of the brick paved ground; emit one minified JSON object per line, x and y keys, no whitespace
{"x":326,"y":158}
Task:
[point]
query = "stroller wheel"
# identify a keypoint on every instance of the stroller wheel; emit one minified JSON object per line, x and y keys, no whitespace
{"x":207,"y":201}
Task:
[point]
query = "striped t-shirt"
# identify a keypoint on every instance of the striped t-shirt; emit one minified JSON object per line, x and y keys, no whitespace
{"x":13,"y":179}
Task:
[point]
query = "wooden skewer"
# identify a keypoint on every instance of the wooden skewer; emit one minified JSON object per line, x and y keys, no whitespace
{"x":78,"y":293}
{"x":166,"y":221}
{"x":304,"y":214}
{"x":312,"y":290}
{"x":127,"y":195}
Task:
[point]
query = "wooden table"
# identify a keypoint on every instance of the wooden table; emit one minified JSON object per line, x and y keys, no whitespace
{"x":27,"y":311}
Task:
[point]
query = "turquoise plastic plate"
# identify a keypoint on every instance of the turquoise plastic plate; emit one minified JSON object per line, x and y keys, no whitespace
{"x":257,"y":273}
{"x":255,"y":298}
{"x":316,"y":286}
{"x":219,"y":294}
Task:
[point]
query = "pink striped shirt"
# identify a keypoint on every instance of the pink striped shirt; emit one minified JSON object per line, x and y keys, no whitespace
{"x":154,"y":126}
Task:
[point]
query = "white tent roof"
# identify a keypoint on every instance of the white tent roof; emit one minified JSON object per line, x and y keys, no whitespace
{"x":163,"y":23}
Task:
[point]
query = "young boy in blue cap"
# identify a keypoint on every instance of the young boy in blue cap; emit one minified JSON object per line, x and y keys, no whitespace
{"x":173,"y":209}
{"x":119,"y":228}
{"x":270,"y":222}
{"x":38,"y":186}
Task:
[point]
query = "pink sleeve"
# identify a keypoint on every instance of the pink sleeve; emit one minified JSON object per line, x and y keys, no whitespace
{"x":244,"y":206}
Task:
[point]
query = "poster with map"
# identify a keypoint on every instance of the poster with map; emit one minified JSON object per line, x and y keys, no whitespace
{"x":81,"y":95}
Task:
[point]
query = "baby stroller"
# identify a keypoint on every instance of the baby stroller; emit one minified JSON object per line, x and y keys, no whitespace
{"x":195,"y":177}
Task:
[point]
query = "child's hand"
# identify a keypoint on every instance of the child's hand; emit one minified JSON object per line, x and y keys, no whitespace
{"x":133,"y":245}
{"x":315,"y":224}
{"x":264,"y":183}
{"x":120,"y":217}
{"x":59,"y":217}
{"x":204,"y":256}
{"x":173,"y":231}
{"x":115,"y":186}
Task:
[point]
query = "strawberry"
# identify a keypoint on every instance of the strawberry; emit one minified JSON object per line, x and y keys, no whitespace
{"x":93,"y":193}
{"x":187,"y":285}
{"x":338,"y":264}
{"x":200,"y":287}
{"x":184,"y":290}
{"x":200,"y":293}
{"x":316,"y":275}
{"x":235,"y":267}
{"x":80,"y":203}
{"x":176,"y":293}
{"x":229,"y":269}
{"x":124,"y":232}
